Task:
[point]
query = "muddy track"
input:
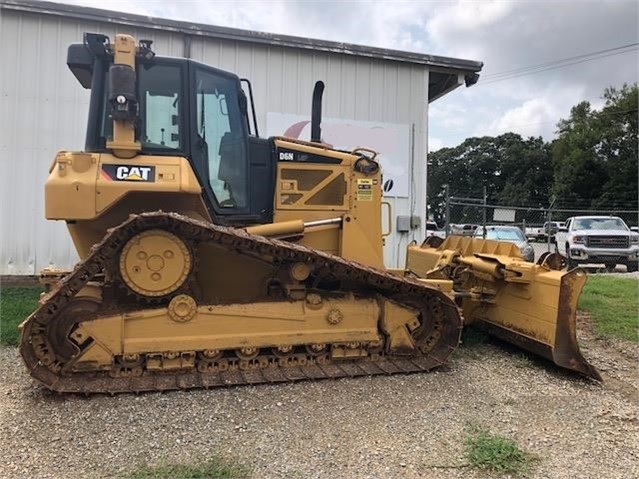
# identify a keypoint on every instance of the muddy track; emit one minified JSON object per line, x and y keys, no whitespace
{"x":438,"y":334}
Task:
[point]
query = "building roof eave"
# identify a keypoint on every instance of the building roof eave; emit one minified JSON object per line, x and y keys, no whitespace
{"x":227,"y":33}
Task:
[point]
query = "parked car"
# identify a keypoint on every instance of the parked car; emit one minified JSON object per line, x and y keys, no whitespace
{"x":463,"y":229}
{"x":510,"y":234}
{"x":603,"y":240}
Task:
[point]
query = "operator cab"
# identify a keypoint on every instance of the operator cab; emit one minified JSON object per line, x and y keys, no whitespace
{"x":191,"y":110}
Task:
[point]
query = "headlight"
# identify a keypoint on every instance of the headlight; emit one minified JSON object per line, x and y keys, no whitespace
{"x":579,"y":240}
{"x":634,"y":239}
{"x":527,"y":249}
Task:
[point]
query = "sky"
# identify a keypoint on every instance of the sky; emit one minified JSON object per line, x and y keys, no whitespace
{"x":505,"y":35}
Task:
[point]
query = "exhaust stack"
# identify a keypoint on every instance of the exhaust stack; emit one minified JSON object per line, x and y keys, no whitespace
{"x":316,"y":113}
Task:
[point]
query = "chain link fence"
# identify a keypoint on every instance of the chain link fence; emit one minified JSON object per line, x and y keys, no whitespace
{"x":464,"y":215}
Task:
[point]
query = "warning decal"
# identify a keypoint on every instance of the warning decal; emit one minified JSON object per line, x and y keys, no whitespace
{"x":364,"y":190}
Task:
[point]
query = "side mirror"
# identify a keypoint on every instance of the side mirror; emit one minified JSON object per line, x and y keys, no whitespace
{"x":243,"y":104}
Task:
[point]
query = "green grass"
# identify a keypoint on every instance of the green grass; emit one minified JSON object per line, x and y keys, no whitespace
{"x":473,"y":343}
{"x":494,"y":453}
{"x":523,"y":360}
{"x":16,"y":303}
{"x":472,"y":337}
{"x":612,"y":302}
{"x":215,"y":468}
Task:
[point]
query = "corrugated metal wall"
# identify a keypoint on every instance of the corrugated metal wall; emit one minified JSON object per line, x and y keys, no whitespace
{"x":44,"y":110}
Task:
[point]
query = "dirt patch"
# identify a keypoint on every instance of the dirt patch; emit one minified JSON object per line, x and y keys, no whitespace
{"x":14,"y":280}
{"x":616,"y":360}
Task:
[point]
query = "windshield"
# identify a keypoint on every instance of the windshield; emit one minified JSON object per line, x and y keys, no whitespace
{"x":502,"y":234}
{"x":599,"y":224}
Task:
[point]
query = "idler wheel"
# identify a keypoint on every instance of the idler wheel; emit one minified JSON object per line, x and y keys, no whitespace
{"x":59,"y":329}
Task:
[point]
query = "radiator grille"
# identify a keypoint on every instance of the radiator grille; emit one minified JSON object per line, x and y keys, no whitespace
{"x":608,"y":241}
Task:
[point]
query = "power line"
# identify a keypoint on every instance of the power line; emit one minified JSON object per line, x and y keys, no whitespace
{"x":552,"y":68}
{"x":555,"y":62}
{"x":541,"y":68}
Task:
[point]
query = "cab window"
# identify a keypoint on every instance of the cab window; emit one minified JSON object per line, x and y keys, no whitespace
{"x":220,"y":133}
{"x":160,"y":88}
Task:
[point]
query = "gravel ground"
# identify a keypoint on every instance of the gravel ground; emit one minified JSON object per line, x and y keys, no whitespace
{"x":401,"y":426}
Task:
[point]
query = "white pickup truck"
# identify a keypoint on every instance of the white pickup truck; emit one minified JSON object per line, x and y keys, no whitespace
{"x":541,"y":233}
{"x":603,"y":240}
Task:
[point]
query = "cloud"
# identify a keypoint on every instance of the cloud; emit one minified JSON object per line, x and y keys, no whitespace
{"x":448,"y":115}
{"x":464,"y":18}
{"x":531,"y":118}
{"x":386,"y":24}
{"x":435,"y":144}
{"x":537,"y":116}
{"x":511,"y":35}
{"x":508,"y":35}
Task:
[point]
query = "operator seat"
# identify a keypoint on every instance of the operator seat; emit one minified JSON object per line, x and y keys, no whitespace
{"x":233,"y":169}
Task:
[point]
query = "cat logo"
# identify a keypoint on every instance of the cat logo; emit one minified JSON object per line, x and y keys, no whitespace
{"x":128,"y":173}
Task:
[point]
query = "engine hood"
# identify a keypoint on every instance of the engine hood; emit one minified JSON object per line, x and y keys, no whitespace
{"x":603,"y":233}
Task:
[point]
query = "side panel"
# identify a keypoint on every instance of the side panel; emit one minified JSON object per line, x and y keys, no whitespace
{"x":94,"y":192}
{"x":262,"y":178}
{"x":317,"y":184}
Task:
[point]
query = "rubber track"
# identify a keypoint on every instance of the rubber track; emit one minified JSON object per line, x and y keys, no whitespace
{"x":103,"y":254}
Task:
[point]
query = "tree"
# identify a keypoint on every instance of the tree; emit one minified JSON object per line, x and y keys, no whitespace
{"x":527,"y":173}
{"x":595,"y":154}
{"x":619,"y":147}
{"x":514,"y":171}
{"x":593,"y":163}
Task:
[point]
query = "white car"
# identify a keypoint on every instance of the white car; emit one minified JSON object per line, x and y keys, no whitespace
{"x":603,"y":240}
{"x":433,"y":230}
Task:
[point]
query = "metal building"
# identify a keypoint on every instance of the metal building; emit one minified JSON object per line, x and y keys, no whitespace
{"x":373,"y":95}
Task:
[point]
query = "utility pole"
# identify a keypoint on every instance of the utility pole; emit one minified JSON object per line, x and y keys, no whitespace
{"x":484,"y":214}
{"x":447,"y":211}
{"x":549,"y":219}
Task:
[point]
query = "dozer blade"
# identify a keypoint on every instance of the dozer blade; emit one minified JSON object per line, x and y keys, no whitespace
{"x":543,"y":323}
{"x":532,"y":306}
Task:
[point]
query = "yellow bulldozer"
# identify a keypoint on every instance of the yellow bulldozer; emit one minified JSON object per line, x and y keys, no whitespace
{"x":211,"y":257}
